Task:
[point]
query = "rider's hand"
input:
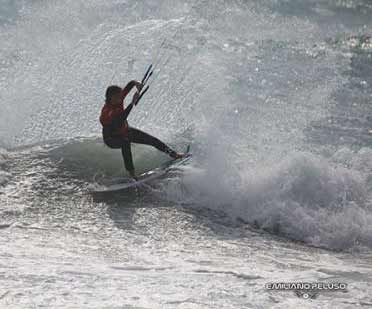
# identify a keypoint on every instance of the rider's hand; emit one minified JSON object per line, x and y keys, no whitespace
{"x":139,"y":86}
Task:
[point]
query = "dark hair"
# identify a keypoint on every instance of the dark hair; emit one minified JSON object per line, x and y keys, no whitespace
{"x":111,"y":91}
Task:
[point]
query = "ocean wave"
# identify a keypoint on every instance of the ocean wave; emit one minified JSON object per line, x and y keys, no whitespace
{"x":304,"y":197}
{"x":90,"y":156}
{"x":4,"y":176}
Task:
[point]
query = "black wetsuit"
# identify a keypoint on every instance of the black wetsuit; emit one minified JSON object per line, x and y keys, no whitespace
{"x":139,"y":137}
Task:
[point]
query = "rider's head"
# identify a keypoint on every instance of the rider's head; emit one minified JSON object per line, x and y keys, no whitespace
{"x":114,"y":95}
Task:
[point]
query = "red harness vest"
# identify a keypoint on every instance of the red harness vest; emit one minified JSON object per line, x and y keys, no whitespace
{"x":109,"y":113}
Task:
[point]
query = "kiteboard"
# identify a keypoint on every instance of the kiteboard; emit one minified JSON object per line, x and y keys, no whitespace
{"x":126,"y":182}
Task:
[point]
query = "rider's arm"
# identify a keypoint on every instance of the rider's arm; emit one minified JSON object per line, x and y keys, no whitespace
{"x":130,"y":86}
{"x":118,"y":119}
{"x":124,"y":115}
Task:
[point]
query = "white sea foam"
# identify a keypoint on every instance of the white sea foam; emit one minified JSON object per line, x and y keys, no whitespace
{"x":303,"y":197}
